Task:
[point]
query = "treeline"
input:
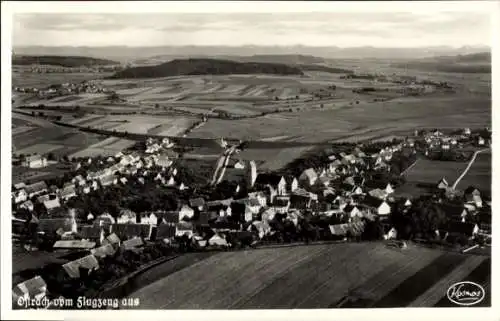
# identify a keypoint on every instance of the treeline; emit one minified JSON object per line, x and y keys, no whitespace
{"x":179,"y":67}
{"x":63,"y":61}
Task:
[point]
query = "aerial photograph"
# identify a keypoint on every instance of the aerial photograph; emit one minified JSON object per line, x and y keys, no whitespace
{"x":267,"y":160}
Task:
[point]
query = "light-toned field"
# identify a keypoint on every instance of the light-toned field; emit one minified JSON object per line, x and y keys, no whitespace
{"x":317,"y":276}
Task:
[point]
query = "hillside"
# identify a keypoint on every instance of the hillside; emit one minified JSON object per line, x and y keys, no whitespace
{"x":472,"y":63}
{"x":285,"y":59}
{"x":62,"y":61}
{"x":179,"y":67}
{"x":324,"y":69}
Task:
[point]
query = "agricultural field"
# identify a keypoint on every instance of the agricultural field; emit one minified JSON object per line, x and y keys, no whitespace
{"x":431,"y":172}
{"x":317,"y":276}
{"x":479,"y":174}
{"x":29,"y":79}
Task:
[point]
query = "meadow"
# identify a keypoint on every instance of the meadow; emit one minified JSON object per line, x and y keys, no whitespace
{"x":479,"y":174}
{"x":431,"y":172}
{"x":317,"y":276}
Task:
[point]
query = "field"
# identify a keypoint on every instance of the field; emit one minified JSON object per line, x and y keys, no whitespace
{"x":430,"y":172}
{"x":479,"y":174}
{"x":318,"y":276}
{"x":28,"y":79}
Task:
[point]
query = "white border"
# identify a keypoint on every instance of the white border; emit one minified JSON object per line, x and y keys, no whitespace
{"x":8,"y":8}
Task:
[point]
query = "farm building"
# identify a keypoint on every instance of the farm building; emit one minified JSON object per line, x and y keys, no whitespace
{"x":88,"y":262}
{"x":184,"y":228}
{"x":35,"y":161}
{"x":103,"y":251}
{"x":34,"y":288}
{"x":132,"y":243}
{"x":131,"y":230}
{"x":186,"y":211}
{"x":379,"y":206}
{"x":19,"y":196}
{"x":92,"y":233}
{"x":36,"y":189}
{"x":111,"y":239}
{"x":74,"y":245}
{"x":260,"y":196}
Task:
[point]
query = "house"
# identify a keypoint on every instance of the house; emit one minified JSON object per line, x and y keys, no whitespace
{"x":107,"y":180}
{"x":467,"y":131}
{"x":184,"y":229}
{"x":74,"y":245}
{"x":353,"y":211}
{"x":130,"y":230}
{"x":324,"y":181}
{"x":473,"y":195}
{"x":92,"y":233}
{"x":52,"y":225}
{"x":171,"y":181}
{"x":132,"y":244}
{"x":19,"y":186}
{"x":20,"y":196}
{"x":182,"y":187}
{"x":380,"y":207}
{"x":104,"y":220}
{"x":36,"y":189}
{"x":88,"y":262}
{"x":221,"y":207}
{"x":34,"y":288}
{"x":35,"y":161}
{"x":260,"y":196}
{"x":356,"y":190}
{"x":387,"y":188}
{"x":276,"y":182}
{"x":103,"y":251}
{"x":51,"y":204}
{"x":163,"y":161}
{"x":217,"y":240}
{"x":150,"y":219}
{"x":281,"y":205}
{"x":347,"y":229}
{"x":27,"y":205}
{"x":407,"y":203}
{"x":292,"y":183}
{"x":112,"y":239}
{"x":123,"y":180}
{"x":186,"y":212}
{"x":126,"y":216}
{"x":481,"y":141}
{"x":166,"y":231}
{"x":78,"y":180}
{"x":390,"y":233}
{"x":378,"y":193}
{"x":300,"y":201}
{"x":67,"y":192}
{"x":239,"y":164}
{"x":442,"y":184}
{"x":253,"y":205}
{"x":308,"y":177}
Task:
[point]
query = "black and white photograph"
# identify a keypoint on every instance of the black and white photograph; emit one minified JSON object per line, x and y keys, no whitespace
{"x":250,"y":156}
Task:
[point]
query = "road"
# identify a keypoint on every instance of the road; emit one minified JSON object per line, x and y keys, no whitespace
{"x":473,"y":159}
{"x":220,"y":169}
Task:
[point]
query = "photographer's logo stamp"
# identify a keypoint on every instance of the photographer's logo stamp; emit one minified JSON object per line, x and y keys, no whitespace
{"x":465,"y":293}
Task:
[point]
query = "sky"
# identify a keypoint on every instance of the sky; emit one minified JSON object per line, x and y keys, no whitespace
{"x":342,"y":29}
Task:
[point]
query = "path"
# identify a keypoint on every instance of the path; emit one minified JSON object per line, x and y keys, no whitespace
{"x":468,"y":167}
{"x":408,"y":168}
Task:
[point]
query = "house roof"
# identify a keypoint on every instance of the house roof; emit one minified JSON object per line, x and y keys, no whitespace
{"x":184,"y":226}
{"x":252,"y":202}
{"x":372,"y":202}
{"x":51,"y":204}
{"x":31,"y":286}
{"x":19,"y":185}
{"x":51,"y":225}
{"x":377,"y":193}
{"x":130,"y":230}
{"x":309,"y":173}
{"x":103,"y":251}
{"x":132,"y":243}
{"x":33,"y":158}
{"x":196,"y":202}
{"x":164,"y":231}
{"x":111,"y":239}
{"x":268,"y":179}
{"x":36,"y":187}
{"x":169,"y":217}
{"x":281,"y":202}
{"x":72,"y":268}
{"x":90,"y":232}
{"x":74,"y":244}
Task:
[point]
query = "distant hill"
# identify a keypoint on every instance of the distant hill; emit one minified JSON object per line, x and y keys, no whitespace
{"x":285,"y":59}
{"x":62,"y":61}
{"x":125,"y":53}
{"x":179,"y":67}
{"x":472,"y":63}
{"x":322,"y":68}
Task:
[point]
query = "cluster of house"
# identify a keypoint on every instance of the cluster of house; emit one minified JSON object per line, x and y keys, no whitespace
{"x":35,"y":161}
{"x":117,"y":170}
{"x":72,"y":88}
{"x":436,"y":140}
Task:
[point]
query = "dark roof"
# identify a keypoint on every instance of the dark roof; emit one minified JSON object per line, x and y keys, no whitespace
{"x":452,"y":210}
{"x":90,"y":232}
{"x":196,"y":202}
{"x":170,"y":217}
{"x":372,"y":201}
{"x":280,"y":202}
{"x":268,"y":179}
{"x":36,"y":187}
{"x":206,"y":217}
{"x":165,"y":231}
{"x":128,"y":231}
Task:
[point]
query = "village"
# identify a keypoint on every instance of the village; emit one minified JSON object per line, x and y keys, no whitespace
{"x":141,"y":203}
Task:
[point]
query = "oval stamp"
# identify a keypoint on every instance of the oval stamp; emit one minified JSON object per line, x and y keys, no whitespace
{"x":465,"y":293}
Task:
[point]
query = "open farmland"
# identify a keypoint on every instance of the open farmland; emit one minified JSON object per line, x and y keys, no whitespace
{"x":29,"y":79}
{"x":318,"y":276}
{"x":430,"y":172}
{"x":479,"y":174}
